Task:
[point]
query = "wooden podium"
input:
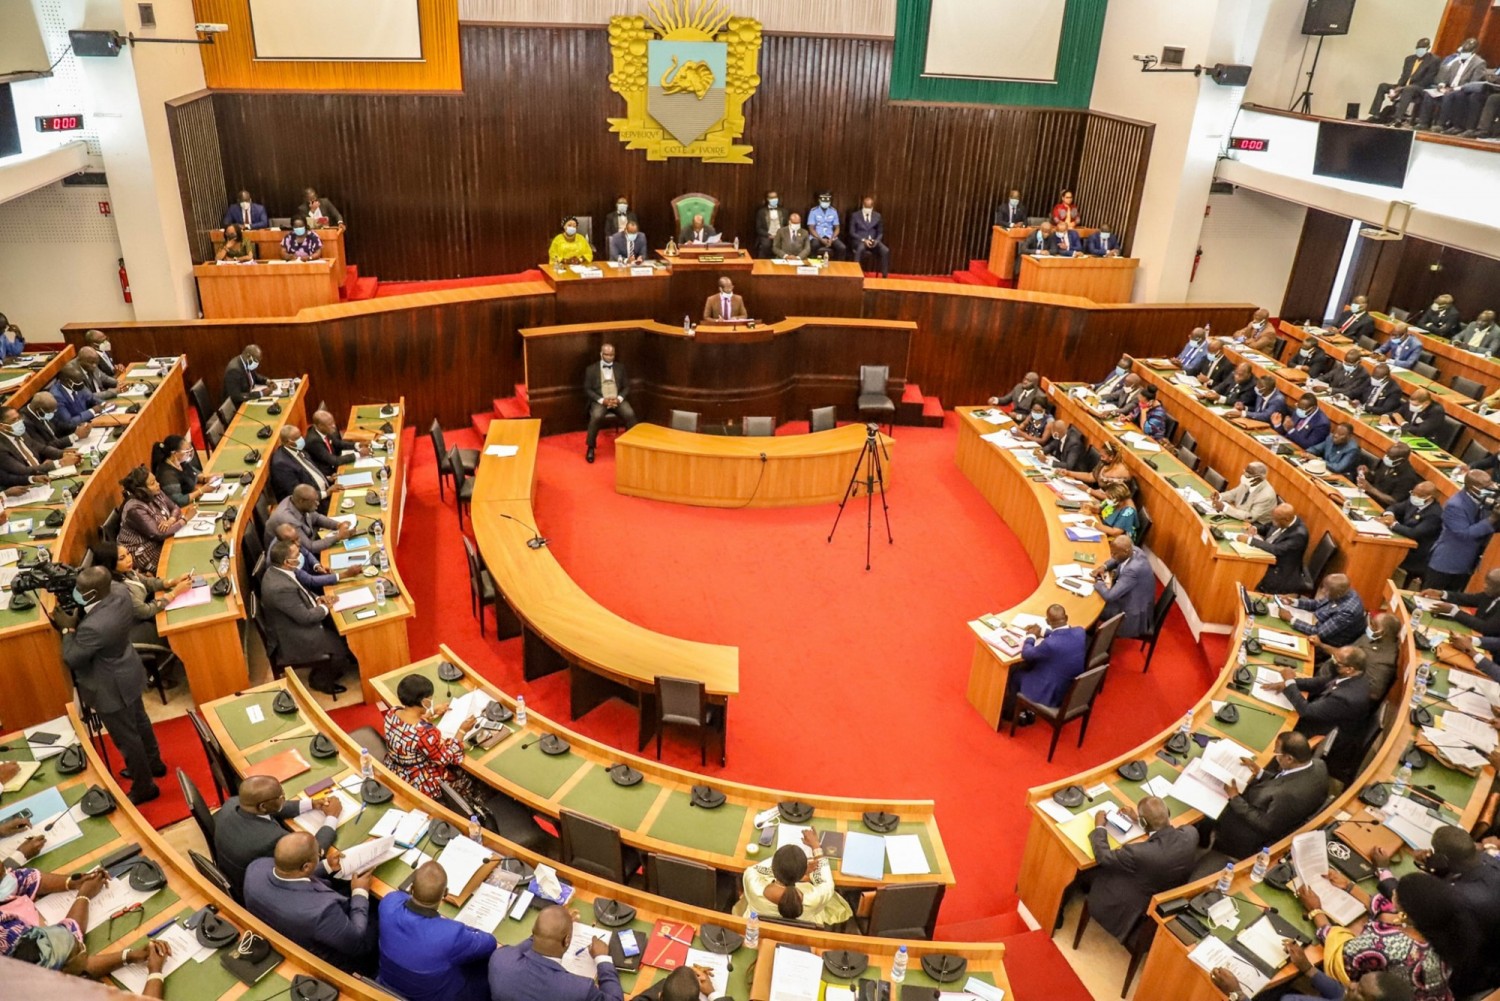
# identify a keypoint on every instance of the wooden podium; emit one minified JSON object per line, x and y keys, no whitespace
{"x":267,"y":243}
{"x":1006,"y":243}
{"x":234,"y":291}
{"x":1101,"y":279}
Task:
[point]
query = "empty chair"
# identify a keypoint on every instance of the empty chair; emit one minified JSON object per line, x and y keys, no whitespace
{"x":1473,"y":452}
{"x":685,"y":420}
{"x":760,"y":427}
{"x":1143,"y":518}
{"x":1366,"y":342}
{"x":1278,"y":350}
{"x":110,"y":530}
{"x":213,"y":432}
{"x":1363,"y":458}
{"x":1213,"y":478}
{"x":908,"y":911}
{"x":210,"y":872}
{"x":1172,"y":425}
{"x":1318,"y":559}
{"x":1159,"y":613}
{"x":1425,"y":369}
{"x":226,"y":780}
{"x":463,"y":484}
{"x":1447,"y":436}
{"x":1078,"y":703}
{"x":1427,"y":357}
{"x":201,"y":402}
{"x":682,"y":702}
{"x":156,"y":657}
{"x":468,"y":458}
{"x":1468,"y":387}
{"x":499,"y":814}
{"x":1188,"y":458}
{"x":873,"y":403}
{"x":595,"y":847}
{"x":1188,"y":441}
{"x":691,"y":882}
{"x":1101,"y":640}
{"x":482,"y":591}
{"x":822,"y":419}
{"x":226,"y":411}
{"x":197,"y":806}
{"x":370,"y":739}
{"x":252,"y":549}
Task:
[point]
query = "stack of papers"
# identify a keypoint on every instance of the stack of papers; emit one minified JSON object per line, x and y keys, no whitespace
{"x":366,"y":856}
{"x":313,"y":820}
{"x":486,"y":908}
{"x":197,"y":528}
{"x":1480,"y":736}
{"x":1279,"y":641}
{"x":906,"y":856}
{"x":1261,"y":690}
{"x":1411,"y":822}
{"x":995,"y":417}
{"x":356,"y":598}
{"x":1265,"y":943}
{"x":795,"y":975}
{"x":1454,"y":749}
{"x":347,"y":480}
{"x":1199,"y":790}
{"x":460,"y":709}
{"x":1486,"y":688}
{"x":116,"y":895}
{"x":502,"y":451}
{"x":461,"y":859}
{"x":1227,"y":761}
{"x":1310,"y":860}
{"x":864,"y":855}
{"x":1298,"y":615}
{"x":59,"y":728}
{"x":1212,"y":953}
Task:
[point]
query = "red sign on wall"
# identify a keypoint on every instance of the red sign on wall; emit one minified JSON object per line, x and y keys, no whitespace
{"x":104,"y":208}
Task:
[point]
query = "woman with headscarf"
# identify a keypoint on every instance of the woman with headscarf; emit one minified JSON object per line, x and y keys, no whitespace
{"x":795,"y":886}
{"x":1394,"y":936}
{"x":58,"y":947}
{"x":19,"y":889}
{"x":148,"y":518}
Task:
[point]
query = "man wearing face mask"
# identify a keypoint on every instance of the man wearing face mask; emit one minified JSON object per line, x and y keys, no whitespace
{"x":1404,"y":348}
{"x":1022,"y":395}
{"x":1441,"y":319}
{"x":1423,"y":418}
{"x":1312,"y":359}
{"x":1112,"y":382}
{"x":1393,"y":477}
{"x":769,"y":218}
{"x":1380,"y":642}
{"x":291,"y":467}
{"x":110,"y":675}
{"x":1469,"y":519}
{"x":21,"y":463}
{"x":301,"y":624}
{"x":1384,"y":395}
{"x":1482,"y":336}
{"x":247,"y":213}
{"x":1306,"y":425}
{"x":569,"y":246}
{"x":615,"y":219}
{"x":47,"y":427}
{"x":300,"y":511}
{"x":867,"y":236}
{"x":1268,"y":400}
{"x":301,"y":244}
{"x":629,"y":245}
{"x":75,"y":404}
{"x":605,"y":384}
{"x":1251,"y":500}
{"x":823,"y":229}
{"x":725,"y":305}
{"x":1435,"y":104}
{"x":1012,"y":212}
{"x":1349,"y":378}
{"x":1419,"y":518}
{"x":791,"y":242}
{"x":1241,"y":389}
{"x":241,"y":380}
{"x":99,"y":341}
{"x":97,"y":381}
{"x":1258,"y":334}
{"x":1284,"y":537}
{"x":1042,"y":242}
{"x":1104,"y":243}
{"x":1355,"y":321}
{"x":1126,"y":395}
{"x":1193,"y":351}
{"x":1215,"y":372}
{"x":1339,"y":451}
{"x":1418,"y":70}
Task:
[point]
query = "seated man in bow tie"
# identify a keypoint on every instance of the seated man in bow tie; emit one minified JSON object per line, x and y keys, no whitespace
{"x":605,"y":384}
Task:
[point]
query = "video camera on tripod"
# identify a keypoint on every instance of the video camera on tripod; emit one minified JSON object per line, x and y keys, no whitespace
{"x":57,"y":578}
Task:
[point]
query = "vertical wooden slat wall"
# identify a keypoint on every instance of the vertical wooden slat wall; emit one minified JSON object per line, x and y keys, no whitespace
{"x":1112,"y":172}
{"x":194,"y":129}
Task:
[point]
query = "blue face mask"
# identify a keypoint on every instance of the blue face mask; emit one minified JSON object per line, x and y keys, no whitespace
{"x":49,"y":416}
{"x":300,"y":443}
{"x":773,"y":202}
{"x":1348,"y":367}
{"x":570,"y":230}
{"x":251,"y":366}
{"x":300,"y":230}
{"x":9,"y":887}
{"x":1301,"y":412}
{"x":78,"y":597}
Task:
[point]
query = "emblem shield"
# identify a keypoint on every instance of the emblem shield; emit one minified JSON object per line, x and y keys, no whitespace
{"x":686,"y":86}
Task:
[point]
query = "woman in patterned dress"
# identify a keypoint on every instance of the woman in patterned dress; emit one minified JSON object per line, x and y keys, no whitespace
{"x":1389,"y":940}
{"x":416,"y":751}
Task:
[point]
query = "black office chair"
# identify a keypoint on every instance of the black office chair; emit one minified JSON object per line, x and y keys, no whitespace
{"x":211,"y":872}
{"x":1101,"y":638}
{"x":760,"y":427}
{"x":1159,"y":613}
{"x":1363,"y":458}
{"x":260,"y":510}
{"x":1447,"y":436}
{"x":226,"y":412}
{"x":226,"y":779}
{"x":1366,"y":342}
{"x":499,"y":814}
{"x":370,"y":739}
{"x":213,"y":432}
{"x":1425,"y":369}
{"x":1473,"y":390}
{"x":1473,"y":452}
{"x":684,"y":702}
{"x":874,"y":404}
{"x":595,"y":847}
{"x":1172,"y":425}
{"x":463,"y":485}
{"x":468,"y":457}
{"x":1090,"y":457}
{"x":156,"y":658}
{"x":1427,"y":357}
{"x":1143,"y":519}
{"x":1317,"y":561}
{"x":1214,"y":479}
{"x":907,"y":911}
{"x":1278,"y":350}
{"x":1078,"y":704}
{"x":684,"y":420}
{"x":202,"y":405}
{"x":110,"y":530}
{"x":1188,"y":441}
{"x":198,"y":807}
{"x":1188,"y":458}
{"x":482,"y":591}
{"x":252,"y":550}
{"x":691,"y":883}
{"x":1137,"y":942}
{"x":822,"y":419}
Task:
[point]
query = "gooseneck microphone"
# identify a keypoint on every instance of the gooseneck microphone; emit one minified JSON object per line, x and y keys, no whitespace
{"x":536,"y":541}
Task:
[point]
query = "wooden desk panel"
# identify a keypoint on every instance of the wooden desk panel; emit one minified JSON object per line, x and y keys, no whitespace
{"x":723,"y":471}
{"x":266,"y":245}
{"x":33,"y":379}
{"x":1448,"y":358}
{"x":513,"y":477}
{"x":985,"y":964}
{"x":1099,"y":279}
{"x":1005,"y":245}
{"x":691,"y":259}
{"x":231,"y":291}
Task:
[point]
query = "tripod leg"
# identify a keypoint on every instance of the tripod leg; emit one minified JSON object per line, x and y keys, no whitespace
{"x":884,"y":504}
{"x":871,"y":459}
{"x":848,"y":490}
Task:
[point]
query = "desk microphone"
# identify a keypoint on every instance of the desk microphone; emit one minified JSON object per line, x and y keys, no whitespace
{"x":1265,"y":908}
{"x":265,"y":429}
{"x":1422,"y":716}
{"x":536,"y":541}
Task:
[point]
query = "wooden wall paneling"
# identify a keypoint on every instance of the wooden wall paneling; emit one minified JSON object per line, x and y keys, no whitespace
{"x":1472,"y":280}
{"x":1112,"y":172}
{"x":865,"y":18}
{"x":230,"y":63}
{"x":1469,"y":19}
{"x":193,"y":125}
{"x":1316,"y":265}
{"x":478,"y":183}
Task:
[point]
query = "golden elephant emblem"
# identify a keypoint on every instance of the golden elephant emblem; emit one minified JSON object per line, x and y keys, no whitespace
{"x":695,"y":77}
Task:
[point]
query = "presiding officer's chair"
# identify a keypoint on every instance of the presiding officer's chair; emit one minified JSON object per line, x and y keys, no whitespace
{"x":684,"y":207}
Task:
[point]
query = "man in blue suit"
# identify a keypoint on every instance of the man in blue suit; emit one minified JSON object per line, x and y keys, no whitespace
{"x":247,"y":212}
{"x":1048,"y":663}
{"x":1305,"y":426}
{"x":76,"y":404}
{"x":628,"y":245}
{"x":1468,"y":523}
{"x":1268,"y":400}
{"x":1104,"y":243}
{"x":1069,"y":243}
{"x":425,"y":956}
{"x":1404,"y":348}
{"x":867,"y":236}
{"x":1127,"y":585}
{"x":287,"y":893}
{"x":533,"y":970}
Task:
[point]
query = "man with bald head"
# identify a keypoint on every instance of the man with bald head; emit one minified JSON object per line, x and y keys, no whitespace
{"x":327,"y":448}
{"x":1193,"y":351}
{"x":1127,"y":584}
{"x":75,"y":404}
{"x":99,"y":341}
{"x":1049,"y":663}
{"x":1126,"y":878}
{"x":47,"y":427}
{"x":249,"y":825}
{"x":1065,"y":446}
{"x":1241,"y":388}
{"x":1251,"y":499}
{"x":21,"y":464}
{"x":425,"y":956}
{"x":533,"y":970}
{"x":241,"y":380}
{"x":1258,"y":334}
{"x":1441,"y":319}
{"x":98,"y":382}
{"x":1022,"y":394}
{"x":1349,"y":378}
{"x":300,"y":510}
{"x":1469,"y":519}
{"x":1215,"y":371}
{"x":1380,"y":642}
{"x":1338,"y":612}
{"x":1404,"y":347}
{"x":287,"y":892}
{"x":1284,"y":537}
{"x":291,"y":467}
{"x":1384,"y":395}
{"x":310,"y":573}
{"x":1482,"y":335}
{"x":1419,"y":517}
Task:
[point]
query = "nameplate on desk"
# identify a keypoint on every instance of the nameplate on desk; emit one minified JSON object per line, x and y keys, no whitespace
{"x":590,"y":273}
{"x":711,"y":258}
{"x":642,"y":272}
{"x":807,"y":270}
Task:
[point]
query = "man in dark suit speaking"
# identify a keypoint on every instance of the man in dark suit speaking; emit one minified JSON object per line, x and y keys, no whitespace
{"x":605,"y":384}
{"x":533,"y":970}
{"x":867,"y":236}
{"x":110,"y":675}
{"x":1127,"y":877}
{"x":629,"y":244}
{"x":1284,"y":537}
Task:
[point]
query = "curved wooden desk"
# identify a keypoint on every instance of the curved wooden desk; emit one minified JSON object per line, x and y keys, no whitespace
{"x":562,"y":627}
{"x":1029,"y":507}
{"x":1167,"y":967}
{"x":265,"y":288}
{"x":32,"y":378}
{"x":711,"y":470}
{"x":1056,"y":853}
{"x":1448,"y":358}
{"x":655,"y":816}
{"x":245,"y":743}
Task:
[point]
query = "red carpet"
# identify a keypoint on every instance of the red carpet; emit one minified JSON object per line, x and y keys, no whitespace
{"x":180,"y":749}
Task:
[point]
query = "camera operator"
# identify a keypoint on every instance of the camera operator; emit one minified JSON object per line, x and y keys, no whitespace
{"x":110,"y":675}
{"x":1469,"y":519}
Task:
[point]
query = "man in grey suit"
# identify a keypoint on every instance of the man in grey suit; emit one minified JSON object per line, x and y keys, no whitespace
{"x":300,"y":510}
{"x":1276,"y":802}
{"x":1127,"y":585}
{"x":301,"y":625}
{"x":791,"y":242}
{"x":1127,"y":877}
{"x":110,"y":675}
{"x":628,"y":245}
{"x":1482,"y":336}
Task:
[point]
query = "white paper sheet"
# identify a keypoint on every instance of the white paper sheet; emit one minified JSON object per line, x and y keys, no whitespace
{"x":577,"y":959}
{"x":1481,"y":735}
{"x":198,"y":528}
{"x":312,"y":820}
{"x":486,"y":908}
{"x":366,"y":855}
{"x":61,"y":728}
{"x":185,"y":949}
{"x":116,"y":895}
{"x":795,"y":975}
{"x":460,"y":709}
{"x":1194,"y":788}
{"x":715,"y":962}
{"x":1213,"y":952}
{"x":905,"y":854}
{"x":1310,"y":860}
{"x":1264,"y":941}
{"x":503,"y":451}
{"x":346,"y":480}
{"x":1055,"y":810}
{"x":461,"y":859}
{"x":791,"y":834}
{"x":1226,"y":760}
{"x":354,"y":598}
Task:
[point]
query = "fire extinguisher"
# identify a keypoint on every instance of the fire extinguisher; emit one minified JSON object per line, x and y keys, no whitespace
{"x":1197,"y":260}
{"x":125,"y":282}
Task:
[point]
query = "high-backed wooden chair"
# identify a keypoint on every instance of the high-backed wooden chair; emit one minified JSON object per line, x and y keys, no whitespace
{"x":685,"y":206}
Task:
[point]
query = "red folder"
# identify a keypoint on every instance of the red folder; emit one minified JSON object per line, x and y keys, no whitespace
{"x":668,"y":946}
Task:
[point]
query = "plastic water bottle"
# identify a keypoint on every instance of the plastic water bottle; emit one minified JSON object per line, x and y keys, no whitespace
{"x":898,"y":966}
{"x":385,"y":496}
{"x":379,"y":593}
{"x":520,"y":710}
{"x":1225,"y":878}
{"x":366,"y":766}
{"x":1418,"y":692}
{"x":1244,"y":655}
{"x":752,"y":930}
{"x":736,"y":245}
{"x":1424,"y":672}
{"x":1186,"y":729}
{"x":475,"y":829}
{"x":687,"y":325}
{"x":223,"y":567}
{"x":1403,"y":779}
{"x":67,"y":499}
{"x":1262,"y":863}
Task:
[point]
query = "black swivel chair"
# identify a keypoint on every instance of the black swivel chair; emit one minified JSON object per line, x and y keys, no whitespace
{"x":1468,"y":387}
{"x":683,"y":702}
{"x":211,"y":872}
{"x":1317,"y":561}
{"x":1159,"y":614}
{"x":1425,"y":369}
{"x":499,"y":814}
{"x":226,"y":779}
{"x":1447,"y":436}
{"x":201,"y":402}
{"x":198,"y":807}
{"x":691,"y":883}
{"x":908,"y":911}
{"x":1101,"y":638}
{"x":463,"y":484}
{"x":482,"y":591}
{"x":595,"y":847}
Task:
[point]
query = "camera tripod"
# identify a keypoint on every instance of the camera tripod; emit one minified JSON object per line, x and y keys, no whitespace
{"x":870,"y":470}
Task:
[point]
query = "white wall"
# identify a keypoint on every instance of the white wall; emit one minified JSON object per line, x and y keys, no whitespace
{"x":1249,"y":241}
{"x":59,"y":261}
{"x":1381,"y":33}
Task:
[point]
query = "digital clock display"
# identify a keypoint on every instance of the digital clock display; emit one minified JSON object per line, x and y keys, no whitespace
{"x":70,"y":122}
{"x":1250,"y":145}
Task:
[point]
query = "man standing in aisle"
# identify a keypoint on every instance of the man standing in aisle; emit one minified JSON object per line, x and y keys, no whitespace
{"x":605,"y":384}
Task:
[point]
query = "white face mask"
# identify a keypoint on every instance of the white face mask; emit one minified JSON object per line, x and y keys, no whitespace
{"x":18,"y":428}
{"x":793,"y":227}
{"x":1356,"y":308}
{"x":570,"y":230}
{"x":1037,"y":415}
{"x":1014,"y":202}
{"x":620,"y":207}
{"x":104,"y":346}
{"x":1418,"y":503}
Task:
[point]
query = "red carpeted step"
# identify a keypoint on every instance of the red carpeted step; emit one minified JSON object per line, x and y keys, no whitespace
{"x":946,"y":279}
{"x":981,"y":271}
{"x":365,"y":288}
{"x":912,"y":393}
{"x":511,"y":407}
{"x":932,"y":412}
{"x":482,"y":423}
{"x":991,"y":929}
{"x":966,"y":278}
{"x":909,"y":407}
{"x":524,"y":395}
{"x":1038,"y":969}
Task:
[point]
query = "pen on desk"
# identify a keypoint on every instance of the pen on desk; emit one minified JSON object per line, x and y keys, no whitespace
{"x":161,"y":928}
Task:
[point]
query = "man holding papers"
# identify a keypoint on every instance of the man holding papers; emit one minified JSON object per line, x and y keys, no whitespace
{"x":248,"y":826}
{"x":1127,"y":585}
{"x":1276,"y":802}
{"x":1485,"y":618}
{"x":1127,"y":877}
{"x":1048,"y":663}
{"x":1337,"y":612}
{"x":425,"y":956}
{"x":533,"y":970}
{"x":1386,"y":985}
{"x":287,"y":893}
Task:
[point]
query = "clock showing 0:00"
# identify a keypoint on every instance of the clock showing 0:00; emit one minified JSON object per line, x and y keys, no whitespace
{"x":70,"y":122}
{"x":1249,"y":145}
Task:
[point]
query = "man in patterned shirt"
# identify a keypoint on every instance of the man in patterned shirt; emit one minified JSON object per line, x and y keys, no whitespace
{"x":1338,"y":610}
